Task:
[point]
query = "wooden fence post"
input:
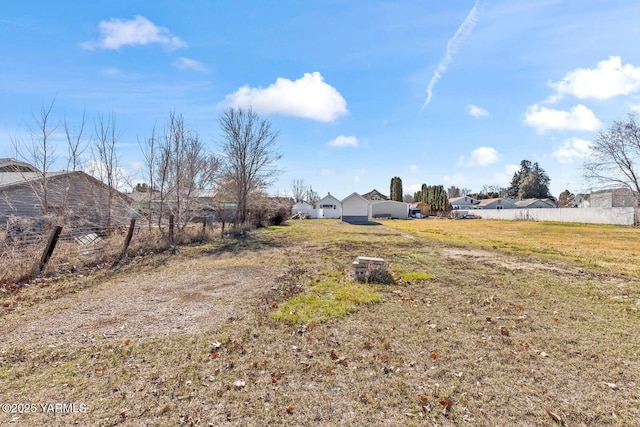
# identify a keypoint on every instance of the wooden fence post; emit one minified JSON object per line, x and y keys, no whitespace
{"x":48,"y":250}
{"x":127,"y":240}
{"x":171,"y":237}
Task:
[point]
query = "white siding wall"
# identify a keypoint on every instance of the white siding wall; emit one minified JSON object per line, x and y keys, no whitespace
{"x":394,"y":209}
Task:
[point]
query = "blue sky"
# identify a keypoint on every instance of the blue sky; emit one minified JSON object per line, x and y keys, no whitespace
{"x":437,"y":92}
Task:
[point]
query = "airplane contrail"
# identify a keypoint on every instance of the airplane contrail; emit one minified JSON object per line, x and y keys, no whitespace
{"x":452,"y":47}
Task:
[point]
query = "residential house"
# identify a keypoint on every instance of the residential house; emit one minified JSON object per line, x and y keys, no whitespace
{"x":374,"y":195}
{"x":463,"y":202}
{"x":495,"y":203}
{"x":355,"y":209}
{"x":535,"y":204}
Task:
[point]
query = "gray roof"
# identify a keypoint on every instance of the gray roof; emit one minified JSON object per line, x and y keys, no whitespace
{"x":8,"y":179}
{"x":13,"y":165}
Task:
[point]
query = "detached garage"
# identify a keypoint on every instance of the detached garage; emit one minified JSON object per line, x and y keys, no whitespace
{"x":355,"y":209}
{"x":389,"y":209}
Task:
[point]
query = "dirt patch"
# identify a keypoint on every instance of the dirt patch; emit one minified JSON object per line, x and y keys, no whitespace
{"x":184,"y":296}
{"x":501,"y":260}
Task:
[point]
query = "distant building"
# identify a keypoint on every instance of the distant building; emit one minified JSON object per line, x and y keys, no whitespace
{"x":535,"y":204}
{"x":74,"y":198}
{"x":496,"y":203}
{"x":463,"y":202}
{"x":374,"y":195}
{"x":621,"y":197}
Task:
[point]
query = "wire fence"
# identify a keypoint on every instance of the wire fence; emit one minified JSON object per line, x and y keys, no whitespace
{"x":80,"y":247}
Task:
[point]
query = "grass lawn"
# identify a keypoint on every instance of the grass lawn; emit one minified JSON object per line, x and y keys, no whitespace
{"x":490,"y":323}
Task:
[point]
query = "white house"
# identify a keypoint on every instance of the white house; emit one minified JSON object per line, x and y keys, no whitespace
{"x":534,"y":204}
{"x":389,"y":209}
{"x":497,"y":203}
{"x":355,"y":209}
{"x":328,"y":207}
{"x":464,"y":202}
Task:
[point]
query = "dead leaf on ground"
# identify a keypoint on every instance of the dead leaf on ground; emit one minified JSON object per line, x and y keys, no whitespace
{"x":556,"y":418}
{"x":423,"y":401}
{"x":446,"y":402}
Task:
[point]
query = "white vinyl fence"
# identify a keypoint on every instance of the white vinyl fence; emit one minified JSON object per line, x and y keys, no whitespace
{"x":616,"y":216}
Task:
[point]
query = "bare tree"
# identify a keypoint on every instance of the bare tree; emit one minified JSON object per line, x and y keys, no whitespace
{"x":453,"y":191}
{"x":183,"y":169}
{"x":465,"y":191}
{"x":312,"y":196}
{"x":615,"y":156}
{"x":106,"y":163}
{"x":39,"y":151}
{"x":149,"y":151}
{"x":249,"y":147}
{"x":298,"y":189}
{"x":76,"y":145}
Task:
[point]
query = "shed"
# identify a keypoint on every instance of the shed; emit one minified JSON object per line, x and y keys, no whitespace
{"x":389,"y":209}
{"x":329,"y":207}
{"x":355,"y":209}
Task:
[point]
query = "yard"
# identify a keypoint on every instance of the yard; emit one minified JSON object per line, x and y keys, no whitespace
{"x":488,"y":323}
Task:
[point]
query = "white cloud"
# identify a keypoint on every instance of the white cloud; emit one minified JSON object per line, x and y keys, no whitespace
{"x":308,"y":97}
{"x":343,"y":141}
{"x":325,"y":172}
{"x":411,"y":188}
{"x":610,"y":78}
{"x":452,"y":47}
{"x":413,"y":168}
{"x":116,"y":33}
{"x":579,"y":118}
{"x":475,"y":111}
{"x":572,"y":148}
{"x":504,"y":178}
{"x":189,"y":64}
{"x":456,"y":179}
{"x":481,"y":156}
{"x":511,"y":169}
{"x":356,"y":178}
{"x":634,"y":107}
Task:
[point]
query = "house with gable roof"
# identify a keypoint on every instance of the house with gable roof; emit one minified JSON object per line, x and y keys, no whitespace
{"x":329,"y":207}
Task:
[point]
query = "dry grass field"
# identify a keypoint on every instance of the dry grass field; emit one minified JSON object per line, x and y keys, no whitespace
{"x":488,"y":323}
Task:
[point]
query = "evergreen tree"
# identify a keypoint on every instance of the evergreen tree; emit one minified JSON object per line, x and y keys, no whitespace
{"x":396,"y":189}
{"x":531,"y":181}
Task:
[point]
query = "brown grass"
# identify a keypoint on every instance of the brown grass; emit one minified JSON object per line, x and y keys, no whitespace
{"x":472,"y":337}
